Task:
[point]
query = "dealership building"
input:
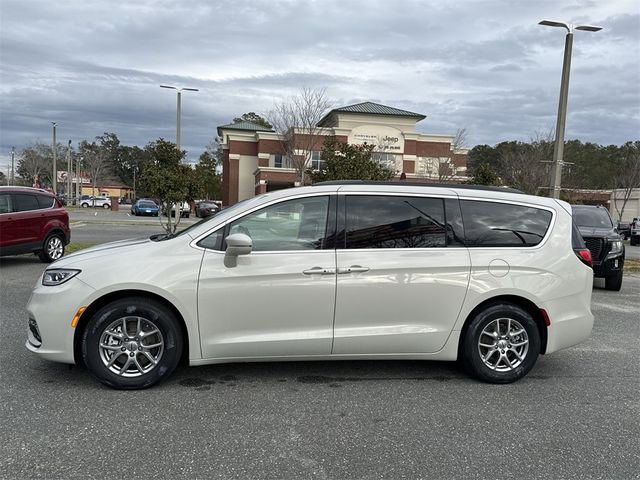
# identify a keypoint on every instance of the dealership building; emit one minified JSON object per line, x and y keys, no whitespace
{"x":254,"y":159}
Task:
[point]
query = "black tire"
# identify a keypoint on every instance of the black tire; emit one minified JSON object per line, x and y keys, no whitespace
{"x":633,"y":240}
{"x":106,"y":205}
{"x":52,"y":248}
{"x":155,"y":316}
{"x":472,"y":356}
{"x":613,"y":282}
{"x":85,"y":205}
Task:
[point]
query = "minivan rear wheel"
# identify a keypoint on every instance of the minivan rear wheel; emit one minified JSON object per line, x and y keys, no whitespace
{"x":501,"y":344}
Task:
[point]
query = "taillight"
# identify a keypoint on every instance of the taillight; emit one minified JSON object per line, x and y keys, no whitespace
{"x":584,"y":254}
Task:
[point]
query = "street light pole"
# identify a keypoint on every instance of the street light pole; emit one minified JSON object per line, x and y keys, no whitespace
{"x":55,"y":161}
{"x":68,"y":189}
{"x":558,"y":149}
{"x":178,"y":108}
{"x":13,"y":166}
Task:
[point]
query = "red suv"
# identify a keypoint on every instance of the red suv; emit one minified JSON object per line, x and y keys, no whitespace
{"x":32,"y":220}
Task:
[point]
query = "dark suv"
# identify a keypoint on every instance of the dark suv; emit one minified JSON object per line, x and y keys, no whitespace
{"x":32,"y":220}
{"x":602,"y":238}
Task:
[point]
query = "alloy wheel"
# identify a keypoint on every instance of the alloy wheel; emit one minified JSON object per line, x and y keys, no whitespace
{"x":503,"y":344}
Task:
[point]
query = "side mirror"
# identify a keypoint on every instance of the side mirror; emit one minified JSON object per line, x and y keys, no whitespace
{"x":237,"y":244}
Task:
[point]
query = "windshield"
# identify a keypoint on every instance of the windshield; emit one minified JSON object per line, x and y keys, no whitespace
{"x":147,"y":205}
{"x":591,"y":217}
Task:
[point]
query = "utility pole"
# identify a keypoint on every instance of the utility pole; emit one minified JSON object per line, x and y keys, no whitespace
{"x":55,"y":161}
{"x":13,"y":166}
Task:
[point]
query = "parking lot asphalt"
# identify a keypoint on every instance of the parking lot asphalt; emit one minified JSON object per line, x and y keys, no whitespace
{"x":576,"y":415}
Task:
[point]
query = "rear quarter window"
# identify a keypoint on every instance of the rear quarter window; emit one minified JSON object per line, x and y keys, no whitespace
{"x":492,"y":224}
{"x":45,"y":201}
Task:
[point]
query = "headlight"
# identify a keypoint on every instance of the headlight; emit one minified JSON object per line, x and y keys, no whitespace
{"x":57,"y":276}
{"x":616,"y":247}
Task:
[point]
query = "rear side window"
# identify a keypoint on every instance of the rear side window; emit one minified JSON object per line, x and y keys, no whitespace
{"x":491,"y":224}
{"x":394,"y":222}
{"x":25,"y":202}
{"x":45,"y":201}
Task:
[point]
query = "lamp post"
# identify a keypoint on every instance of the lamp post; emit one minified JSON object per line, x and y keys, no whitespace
{"x":179,"y":90}
{"x":558,"y":149}
{"x":78,"y":187}
{"x":55,"y":160}
{"x":68,"y":188}
{"x":13,"y":166}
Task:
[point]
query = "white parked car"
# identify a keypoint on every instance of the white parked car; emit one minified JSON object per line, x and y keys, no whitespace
{"x":99,"y":202}
{"x":338,"y":271}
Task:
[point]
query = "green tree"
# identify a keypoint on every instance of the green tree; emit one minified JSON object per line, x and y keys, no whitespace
{"x":129,"y":164}
{"x":169,"y":181}
{"x":482,"y":154}
{"x":208,"y":170}
{"x":253,"y":118}
{"x":484,"y":175}
{"x":348,"y":162}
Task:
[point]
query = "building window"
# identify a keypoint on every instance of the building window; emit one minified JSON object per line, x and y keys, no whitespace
{"x":438,"y":167}
{"x":428,"y":166}
{"x":387,"y":160}
{"x":316,"y":162}
{"x":280,"y":161}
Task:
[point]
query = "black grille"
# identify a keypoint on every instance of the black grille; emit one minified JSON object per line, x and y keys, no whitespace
{"x":596,"y":246}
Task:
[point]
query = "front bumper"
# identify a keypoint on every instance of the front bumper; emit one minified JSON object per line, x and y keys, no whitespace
{"x":609,"y":266}
{"x":50,"y":311}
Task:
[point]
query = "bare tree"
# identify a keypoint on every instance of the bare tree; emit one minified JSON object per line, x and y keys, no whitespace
{"x":35,"y":164}
{"x":98,"y":157}
{"x":446,"y":165}
{"x":628,"y":177}
{"x":296,"y":119}
{"x":526,"y":166}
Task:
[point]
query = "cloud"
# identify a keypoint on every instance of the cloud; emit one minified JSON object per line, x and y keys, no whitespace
{"x":486,"y":65}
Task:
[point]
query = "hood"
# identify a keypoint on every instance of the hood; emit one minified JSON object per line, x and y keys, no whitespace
{"x":597,"y":232}
{"x":101,"y":249}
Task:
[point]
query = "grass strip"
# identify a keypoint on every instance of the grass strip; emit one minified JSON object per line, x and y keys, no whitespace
{"x":75,"y":246}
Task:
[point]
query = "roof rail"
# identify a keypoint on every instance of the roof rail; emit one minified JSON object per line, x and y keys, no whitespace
{"x":422,"y":184}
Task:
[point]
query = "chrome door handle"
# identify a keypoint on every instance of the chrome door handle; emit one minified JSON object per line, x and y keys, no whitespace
{"x":320,"y":271}
{"x":353,"y":269}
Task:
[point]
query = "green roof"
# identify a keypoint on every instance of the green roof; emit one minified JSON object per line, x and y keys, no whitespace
{"x":371,"y":108}
{"x":246,"y":126}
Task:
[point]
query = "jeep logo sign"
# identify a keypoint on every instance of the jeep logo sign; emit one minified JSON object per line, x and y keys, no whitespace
{"x":386,"y":139}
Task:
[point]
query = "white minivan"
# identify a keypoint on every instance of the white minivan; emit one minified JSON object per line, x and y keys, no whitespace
{"x":338,"y":270}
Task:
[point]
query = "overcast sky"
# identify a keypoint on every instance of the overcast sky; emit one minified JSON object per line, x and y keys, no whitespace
{"x":95,"y":66}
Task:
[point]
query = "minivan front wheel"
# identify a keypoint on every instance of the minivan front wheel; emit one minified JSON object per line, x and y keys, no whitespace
{"x":52,"y":248}
{"x":132,"y":343}
{"x":501,"y":344}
